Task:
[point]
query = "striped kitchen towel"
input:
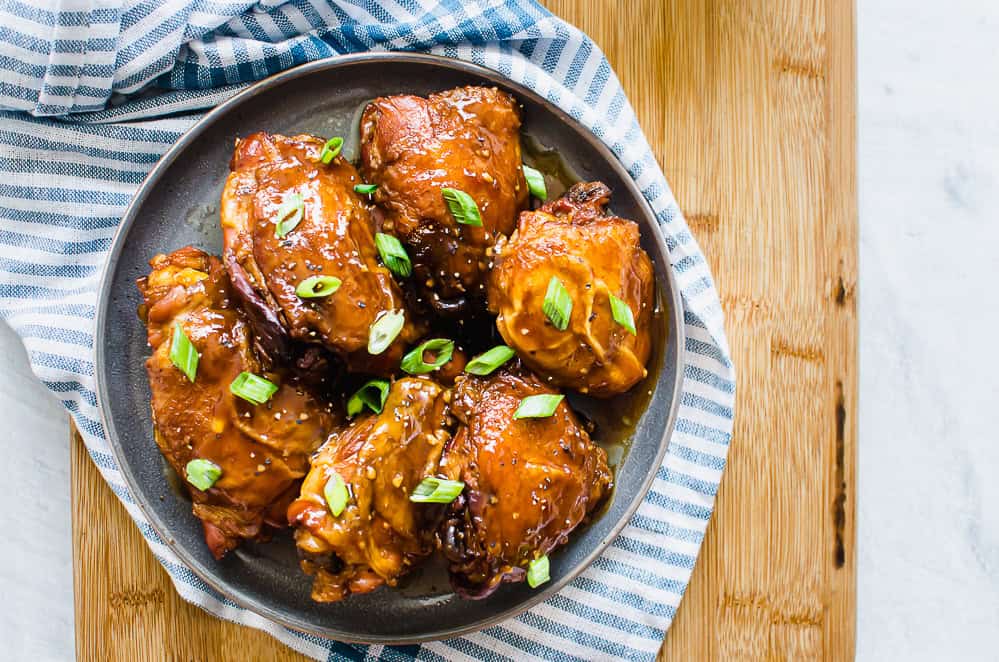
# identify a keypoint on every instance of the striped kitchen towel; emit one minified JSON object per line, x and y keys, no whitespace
{"x":92,"y":92}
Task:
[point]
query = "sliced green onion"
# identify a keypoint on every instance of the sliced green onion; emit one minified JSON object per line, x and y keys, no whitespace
{"x":253,"y":389}
{"x":365,"y":189}
{"x":202,"y":473}
{"x":393,"y":254}
{"x":485,"y":363}
{"x":315,"y":287}
{"x":436,"y":490}
{"x":622,"y":314}
{"x":289,"y":215}
{"x":183,"y":353}
{"x":331,"y":149}
{"x":535,"y":182}
{"x":384,"y":330}
{"x":558,"y":304}
{"x":538,"y":406}
{"x":414,"y":364}
{"x":336,"y":494}
{"x":538,"y":572}
{"x":372,"y":394}
{"x":462,"y":207}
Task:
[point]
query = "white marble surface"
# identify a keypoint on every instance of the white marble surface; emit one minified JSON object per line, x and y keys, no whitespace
{"x":928,"y":524}
{"x":928,"y":578}
{"x":36,"y":563}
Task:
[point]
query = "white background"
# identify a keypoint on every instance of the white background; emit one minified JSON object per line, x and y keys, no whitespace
{"x":928,"y":536}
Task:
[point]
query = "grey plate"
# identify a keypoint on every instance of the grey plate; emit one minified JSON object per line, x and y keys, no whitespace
{"x":177,"y":205}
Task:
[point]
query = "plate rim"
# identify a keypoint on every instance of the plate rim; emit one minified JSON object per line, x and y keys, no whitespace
{"x":676,"y":330}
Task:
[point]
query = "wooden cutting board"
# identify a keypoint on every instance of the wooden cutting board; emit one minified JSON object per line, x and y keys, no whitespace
{"x":750,"y":108}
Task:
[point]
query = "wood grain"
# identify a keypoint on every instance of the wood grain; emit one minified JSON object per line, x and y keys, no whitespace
{"x":749,"y":106}
{"x":126,"y":607}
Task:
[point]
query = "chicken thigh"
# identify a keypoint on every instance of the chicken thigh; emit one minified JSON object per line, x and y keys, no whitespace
{"x":413,"y":148}
{"x":587,"y":263}
{"x":528,"y":482}
{"x":261,"y":451}
{"x":379,"y":533}
{"x":276,"y":180}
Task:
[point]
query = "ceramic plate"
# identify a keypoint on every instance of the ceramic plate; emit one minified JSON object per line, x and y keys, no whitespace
{"x":178,"y":205}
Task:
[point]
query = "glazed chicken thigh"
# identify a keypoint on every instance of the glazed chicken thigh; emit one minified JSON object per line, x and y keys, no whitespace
{"x":413,"y":148}
{"x":274,"y":181}
{"x":528,"y":482}
{"x":596,"y":259}
{"x":380,"y":458}
{"x":405,"y":270}
{"x":262,"y":450}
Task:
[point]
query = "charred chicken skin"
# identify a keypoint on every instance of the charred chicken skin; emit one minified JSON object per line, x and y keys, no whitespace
{"x":595,"y":257}
{"x":380,"y":534}
{"x":262,"y":450}
{"x":413,"y":148}
{"x":274,"y":180}
{"x":528,"y":482}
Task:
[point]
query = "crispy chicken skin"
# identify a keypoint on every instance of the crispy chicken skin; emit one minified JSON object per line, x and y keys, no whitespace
{"x":381,"y":458}
{"x":528,"y":482}
{"x":594,"y":256}
{"x":466,"y":138}
{"x":334,"y":238}
{"x":262,"y":455}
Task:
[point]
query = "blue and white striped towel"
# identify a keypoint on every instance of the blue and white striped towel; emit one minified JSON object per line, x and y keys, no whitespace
{"x":120,"y":80}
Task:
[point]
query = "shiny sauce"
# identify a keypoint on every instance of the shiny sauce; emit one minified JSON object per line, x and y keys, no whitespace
{"x":614,"y":419}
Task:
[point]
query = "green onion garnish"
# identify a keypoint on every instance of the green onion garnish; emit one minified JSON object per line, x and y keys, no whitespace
{"x":202,"y":473}
{"x":289,"y":215}
{"x":462,"y":207}
{"x":336,"y":494}
{"x":436,"y":490}
{"x":183,"y":353}
{"x":365,"y":189}
{"x":314,"y":287}
{"x":558,"y":304}
{"x":393,"y":254}
{"x":622,"y":314}
{"x":372,"y":394}
{"x":485,"y":363}
{"x":331,"y":149}
{"x":253,"y":389}
{"x":442,"y":349}
{"x":538,"y":406}
{"x":535,"y":182}
{"x":538,"y":572}
{"x":384,"y":330}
